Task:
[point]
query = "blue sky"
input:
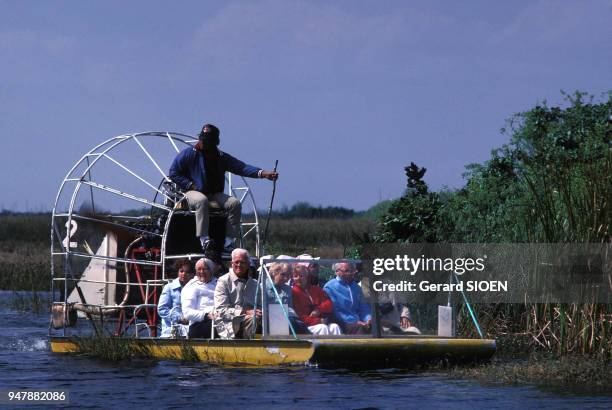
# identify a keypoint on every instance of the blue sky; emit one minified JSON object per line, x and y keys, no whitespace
{"x":343,"y":93}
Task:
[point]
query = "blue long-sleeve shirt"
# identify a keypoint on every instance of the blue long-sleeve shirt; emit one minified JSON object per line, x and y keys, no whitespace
{"x":349,"y":303}
{"x":170,"y":298}
{"x":188,"y":167}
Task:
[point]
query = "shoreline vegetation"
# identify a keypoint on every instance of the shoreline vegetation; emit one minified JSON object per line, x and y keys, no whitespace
{"x":551,"y":183}
{"x":569,"y":373}
{"x":25,"y":241}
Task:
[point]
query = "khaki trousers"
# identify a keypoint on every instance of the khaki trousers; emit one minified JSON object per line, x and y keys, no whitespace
{"x":199,"y":203}
{"x":248,"y":327}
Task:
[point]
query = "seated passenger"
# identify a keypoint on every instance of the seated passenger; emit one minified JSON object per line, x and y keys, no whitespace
{"x":394,"y":316}
{"x":350,"y":308}
{"x":198,"y":299}
{"x":169,"y":305}
{"x":254,"y":269}
{"x":235,"y":313}
{"x":280,"y":273}
{"x":313,"y":269}
{"x":289,"y":264}
{"x":311,"y":304}
{"x":295,"y":275}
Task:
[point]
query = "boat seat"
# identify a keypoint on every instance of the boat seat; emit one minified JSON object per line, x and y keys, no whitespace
{"x":176,"y":200}
{"x":214,"y":208}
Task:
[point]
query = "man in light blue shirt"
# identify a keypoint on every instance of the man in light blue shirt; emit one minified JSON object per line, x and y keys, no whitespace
{"x":169,"y":305}
{"x":350,"y":308}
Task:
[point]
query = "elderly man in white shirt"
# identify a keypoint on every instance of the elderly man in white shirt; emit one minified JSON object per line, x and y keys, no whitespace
{"x":198,"y":299}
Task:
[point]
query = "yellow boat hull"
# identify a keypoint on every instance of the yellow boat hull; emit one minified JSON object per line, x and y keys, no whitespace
{"x":325,"y":352}
{"x":226,"y":352}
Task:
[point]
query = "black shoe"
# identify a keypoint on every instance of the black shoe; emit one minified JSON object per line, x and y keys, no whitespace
{"x":208,"y":246}
{"x":229,"y":248}
{"x":211,"y":251}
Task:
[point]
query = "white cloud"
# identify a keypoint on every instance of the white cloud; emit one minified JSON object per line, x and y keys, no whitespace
{"x":297,"y":39}
{"x":282,"y":37}
{"x":29,"y":56}
{"x":559,"y":24}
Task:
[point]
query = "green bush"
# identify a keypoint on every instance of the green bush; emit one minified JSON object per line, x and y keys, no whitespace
{"x":551,"y":183}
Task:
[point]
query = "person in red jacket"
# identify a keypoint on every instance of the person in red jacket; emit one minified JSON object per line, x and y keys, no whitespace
{"x":311,"y":304}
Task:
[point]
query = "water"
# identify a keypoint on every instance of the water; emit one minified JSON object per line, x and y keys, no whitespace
{"x":27,"y":363}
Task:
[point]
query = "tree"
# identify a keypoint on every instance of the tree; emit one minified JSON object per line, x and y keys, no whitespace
{"x":551,"y":183}
{"x":415,"y":216}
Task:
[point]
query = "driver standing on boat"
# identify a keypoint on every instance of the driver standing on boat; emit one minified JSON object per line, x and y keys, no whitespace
{"x":200,"y":172}
{"x":235,"y":312}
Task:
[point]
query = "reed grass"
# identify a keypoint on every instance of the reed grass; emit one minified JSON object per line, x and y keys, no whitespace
{"x":112,"y":348}
{"x":323,"y":237}
{"x":26,"y":227}
{"x":188,"y":353}
{"x":24,"y":251}
{"x":34,"y":302}
{"x":590,"y":374}
{"x":560,"y":329}
{"x":24,"y":265}
{"x":25,"y":242}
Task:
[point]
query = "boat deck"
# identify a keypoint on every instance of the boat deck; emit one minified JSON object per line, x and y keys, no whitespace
{"x":336,"y":351}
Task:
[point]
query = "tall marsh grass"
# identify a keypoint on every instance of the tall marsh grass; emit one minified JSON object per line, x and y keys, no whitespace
{"x":112,"y":349}
{"x":34,"y":302}
{"x":323,"y":237}
{"x":560,"y":329}
{"x":24,"y":251}
{"x":568,"y":371}
{"x":25,"y":242}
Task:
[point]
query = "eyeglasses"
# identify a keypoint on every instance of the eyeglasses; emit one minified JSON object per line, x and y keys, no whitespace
{"x":239,"y":263}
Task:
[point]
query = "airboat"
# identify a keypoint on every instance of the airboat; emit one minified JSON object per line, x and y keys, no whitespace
{"x":118,"y":224}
